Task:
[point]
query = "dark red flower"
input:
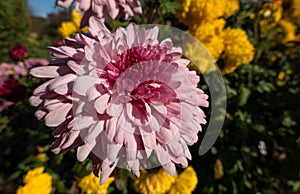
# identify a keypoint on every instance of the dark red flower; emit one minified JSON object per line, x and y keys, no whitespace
{"x":18,"y":52}
{"x":12,"y":90}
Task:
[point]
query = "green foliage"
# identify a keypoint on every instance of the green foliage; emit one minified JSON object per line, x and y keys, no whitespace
{"x":14,"y":25}
{"x":169,"y":7}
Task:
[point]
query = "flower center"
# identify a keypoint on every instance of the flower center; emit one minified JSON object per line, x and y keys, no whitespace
{"x":131,"y":57}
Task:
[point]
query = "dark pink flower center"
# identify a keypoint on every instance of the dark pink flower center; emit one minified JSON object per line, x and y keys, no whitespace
{"x":133,"y":56}
{"x":147,"y":92}
{"x":150,"y":92}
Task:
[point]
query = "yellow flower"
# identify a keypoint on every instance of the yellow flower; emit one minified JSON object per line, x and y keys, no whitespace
{"x":76,"y":17}
{"x":41,"y":156}
{"x":215,"y":45}
{"x":185,"y":183}
{"x":232,"y":6}
{"x":202,"y":62}
{"x":185,"y":4}
{"x":289,"y":30}
{"x":270,"y":14}
{"x":281,"y":75}
{"x":238,"y":49}
{"x":196,"y":11}
{"x":90,"y":184}
{"x":294,"y":10}
{"x":210,"y":34}
{"x":208,"y":29}
{"x":67,"y":29}
{"x":36,"y":182}
{"x":153,"y":183}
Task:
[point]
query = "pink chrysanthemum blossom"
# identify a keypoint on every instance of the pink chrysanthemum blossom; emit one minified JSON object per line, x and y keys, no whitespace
{"x":132,"y":100}
{"x":101,"y":8}
{"x":54,"y":97}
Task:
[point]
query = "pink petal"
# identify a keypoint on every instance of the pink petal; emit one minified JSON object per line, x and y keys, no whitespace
{"x":56,"y":117}
{"x":101,"y":103}
{"x":61,"y":80}
{"x":83,"y":83}
{"x":45,"y":72}
{"x":170,"y":168}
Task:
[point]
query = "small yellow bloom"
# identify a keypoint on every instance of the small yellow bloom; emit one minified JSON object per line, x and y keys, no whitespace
{"x":153,"y":183}
{"x":90,"y":184}
{"x":271,"y":14}
{"x":67,"y":29}
{"x":185,"y":183}
{"x":76,"y":17}
{"x":41,"y":156}
{"x":36,"y":182}
{"x":289,"y":71}
{"x":238,"y":49}
{"x":281,"y":75}
{"x":289,"y":30}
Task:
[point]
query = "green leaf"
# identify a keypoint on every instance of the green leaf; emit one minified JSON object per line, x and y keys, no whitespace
{"x":15,"y":175}
{"x":168,"y":6}
{"x":83,"y":169}
{"x":244,"y":95}
{"x":259,"y":128}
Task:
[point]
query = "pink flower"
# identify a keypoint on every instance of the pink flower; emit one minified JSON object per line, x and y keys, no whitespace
{"x":34,"y":62}
{"x":54,"y":97}
{"x":101,"y":8}
{"x":124,"y":99}
{"x":20,"y":69}
{"x":18,"y":52}
{"x":11,"y":70}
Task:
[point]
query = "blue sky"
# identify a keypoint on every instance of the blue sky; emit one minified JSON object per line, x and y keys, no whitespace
{"x":43,"y":7}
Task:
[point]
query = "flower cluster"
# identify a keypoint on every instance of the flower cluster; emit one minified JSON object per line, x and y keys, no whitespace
{"x":69,"y":28}
{"x":10,"y":88}
{"x":161,"y":182}
{"x":276,"y":16}
{"x":90,"y":184}
{"x":103,"y":8}
{"x":36,"y":181}
{"x":293,"y":11}
{"x":195,"y":12}
{"x":206,"y":21}
{"x":270,"y":15}
{"x":121,"y":98}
